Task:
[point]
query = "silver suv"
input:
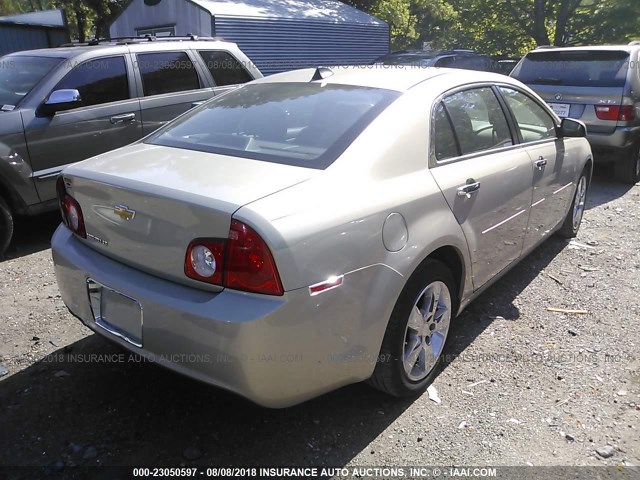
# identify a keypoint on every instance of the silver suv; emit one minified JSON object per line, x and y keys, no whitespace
{"x":601,"y":87}
{"x":62,"y":105}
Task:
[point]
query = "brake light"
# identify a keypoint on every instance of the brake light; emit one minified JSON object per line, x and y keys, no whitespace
{"x":70,"y":210}
{"x":623,"y":113}
{"x":250,"y":265}
{"x":242,"y":262}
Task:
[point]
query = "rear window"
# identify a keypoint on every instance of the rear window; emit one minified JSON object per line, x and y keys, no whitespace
{"x":306,"y":125}
{"x":595,"y":68}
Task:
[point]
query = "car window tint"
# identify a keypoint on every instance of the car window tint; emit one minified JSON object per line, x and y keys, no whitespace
{"x":224,"y":67}
{"x":533,"y":121}
{"x":445,"y":62}
{"x":580,"y":68}
{"x":303,"y":124}
{"x":478,"y":120}
{"x":103,"y":80}
{"x":444,"y":139}
{"x":167,"y":72}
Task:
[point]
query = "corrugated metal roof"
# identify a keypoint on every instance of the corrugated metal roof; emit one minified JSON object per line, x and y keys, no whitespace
{"x":331,"y":11}
{"x":45,"y":18}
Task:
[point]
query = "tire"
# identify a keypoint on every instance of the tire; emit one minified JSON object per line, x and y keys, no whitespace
{"x":6,"y":226}
{"x":422,"y":335}
{"x":572,"y":221}
{"x":627,"y":169}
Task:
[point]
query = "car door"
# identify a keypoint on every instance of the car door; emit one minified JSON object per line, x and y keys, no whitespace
{"x":170,"y":84}
{"x":485,"y":178}
{"x":107,"y":117}
{"x":553,"y":172}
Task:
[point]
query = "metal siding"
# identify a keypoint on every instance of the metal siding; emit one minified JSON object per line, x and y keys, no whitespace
{"x":278,"y":45}
{"x":16,"y":38}
{"x":186,"y":16}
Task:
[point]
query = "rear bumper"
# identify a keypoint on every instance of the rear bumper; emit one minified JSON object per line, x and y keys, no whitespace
{"x":614,"y":144}
{"x":275,"y":351}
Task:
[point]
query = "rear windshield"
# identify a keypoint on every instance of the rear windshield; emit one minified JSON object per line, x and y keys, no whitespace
{"x":302,"y":124}
{"x":579,"y":68}
{"x":19,"y":74}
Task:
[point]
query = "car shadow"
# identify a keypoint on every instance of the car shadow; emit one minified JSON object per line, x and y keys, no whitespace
{"x":94,"y":395}
{"x":498,"y":300}
{"x":604,"y":188}
{"x":32,"y":235}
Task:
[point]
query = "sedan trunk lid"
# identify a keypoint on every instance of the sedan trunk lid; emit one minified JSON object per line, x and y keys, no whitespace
{"x":144,"y":204}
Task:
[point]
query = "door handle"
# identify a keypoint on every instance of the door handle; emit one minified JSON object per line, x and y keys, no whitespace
{"x":469,"y":188}
{"x":540,"y":163}
{"x":127,"y":117}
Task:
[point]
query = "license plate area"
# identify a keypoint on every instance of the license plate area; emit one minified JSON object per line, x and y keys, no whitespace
{"x":116,"y":313}
{"x":561,"y":109}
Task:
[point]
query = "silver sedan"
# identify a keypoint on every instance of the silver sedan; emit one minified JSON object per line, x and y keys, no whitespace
{"x":317,"y":228}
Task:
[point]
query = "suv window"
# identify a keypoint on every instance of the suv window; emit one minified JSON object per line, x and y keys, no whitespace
{"x":224,"y":67}
{"x":444,"y":139}
{"x":580,"y":68}
{"x":533,"y":121}
{"x":167,"y":72}
{"x":102,"y":80}
{"x":478,"y":120}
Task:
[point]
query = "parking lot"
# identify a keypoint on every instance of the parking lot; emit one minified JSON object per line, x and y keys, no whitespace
{"x":524,"y":385}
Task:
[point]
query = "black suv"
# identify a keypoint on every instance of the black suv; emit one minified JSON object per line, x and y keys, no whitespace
{"x":467,"y":59}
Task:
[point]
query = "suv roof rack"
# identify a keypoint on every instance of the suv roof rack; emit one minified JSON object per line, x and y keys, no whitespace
{"x":141,"y":39}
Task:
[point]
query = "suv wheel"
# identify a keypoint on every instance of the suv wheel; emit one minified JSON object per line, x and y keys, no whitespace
{"x":628,"y":168}
{"x":6,"y":226}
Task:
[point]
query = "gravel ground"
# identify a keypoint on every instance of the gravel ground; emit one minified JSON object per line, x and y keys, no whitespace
{"x":524,"y":385}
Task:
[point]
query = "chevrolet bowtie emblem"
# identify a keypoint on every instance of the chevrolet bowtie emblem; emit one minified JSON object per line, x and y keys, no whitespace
{"x":124,"y":212}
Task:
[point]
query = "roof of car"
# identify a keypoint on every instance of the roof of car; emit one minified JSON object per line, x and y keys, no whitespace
{"x":627,"y":48}
{"x":390,"y":77}
{"x":73,"y":50}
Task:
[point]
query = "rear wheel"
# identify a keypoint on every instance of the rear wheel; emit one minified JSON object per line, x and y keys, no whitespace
{"x":573,"y":219}
{"x":6,"y":226}
{"x":411,"y":351}
{"x":627,"y":169}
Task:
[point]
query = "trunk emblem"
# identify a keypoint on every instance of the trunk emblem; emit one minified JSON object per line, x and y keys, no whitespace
{"x":124,"y":212}
{"x":558,"y":96}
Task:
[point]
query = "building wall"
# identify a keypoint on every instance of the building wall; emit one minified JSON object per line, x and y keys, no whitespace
{"x":277,"y":45}
{"x":185,"y":16}
{"x":18,"y":37}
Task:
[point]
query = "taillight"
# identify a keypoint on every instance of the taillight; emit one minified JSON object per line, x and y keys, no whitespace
{"x":250,"y":265}
{"x":623,"y":113}
{"x":70,"y":210}
{"x":205,"y":261}
{"x":242,"y":262}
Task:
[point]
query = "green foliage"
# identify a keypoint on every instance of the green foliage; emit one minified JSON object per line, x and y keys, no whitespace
{"x":86,"y":18}
{"x":506,"y":27}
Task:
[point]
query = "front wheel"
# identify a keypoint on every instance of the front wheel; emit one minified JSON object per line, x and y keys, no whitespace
{"x":6,"y":226}
{"x":417,"y":332}
{"x":573,"y":219}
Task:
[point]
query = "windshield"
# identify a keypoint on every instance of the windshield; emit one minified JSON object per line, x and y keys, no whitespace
{"x":302,"y":124}
{"x":19,"y":74}
{"x":595,"y":68}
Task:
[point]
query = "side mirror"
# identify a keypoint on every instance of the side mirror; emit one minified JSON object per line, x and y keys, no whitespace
{"x":61,"y":100}
{"x":572,"y":128}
